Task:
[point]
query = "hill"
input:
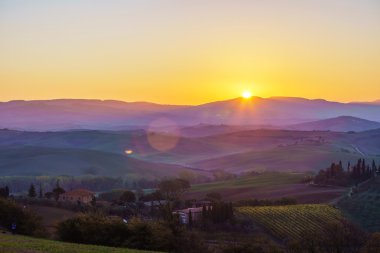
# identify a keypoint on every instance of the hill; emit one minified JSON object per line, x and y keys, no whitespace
{"x":48,"y":161}
{"x":268,"y":186}
{"x":291,"y":222}
{"x":102,"y":153}
{"x":23,"y":244}
{"x":65,"y":114}
{"x":363,"y":206}
{"x":339,"y":124}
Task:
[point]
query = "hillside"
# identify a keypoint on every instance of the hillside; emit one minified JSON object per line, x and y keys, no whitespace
{"x":47,"y":161}
{"x":363,"y":207}
{"x":339,"y":124}
{"x":23,"y":244}
{"x":297,"y":157}
{"x":102,"y":153}
{"x":291,"y":222}
{"x":65,"y":114}
{"x":268,"y":186}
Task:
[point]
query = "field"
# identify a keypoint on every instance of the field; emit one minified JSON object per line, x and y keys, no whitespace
{"x":268,"y":186}
{"x":22,"y":244}
{"x":364,"y":207}
{"x":51,"y":216}
{"x":289,"y":222}
{"x":101,"y":153}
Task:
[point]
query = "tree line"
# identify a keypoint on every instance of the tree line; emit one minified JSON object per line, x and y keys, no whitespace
{"x":336,"y":174}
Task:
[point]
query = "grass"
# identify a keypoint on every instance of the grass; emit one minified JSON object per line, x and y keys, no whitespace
{"x":364,"y":207}
{"x":269,"y":185}
{"x":262,"y":180}
{"x":23,"y":244}
{"x":52,"y":216}
{"x":290,"y":222}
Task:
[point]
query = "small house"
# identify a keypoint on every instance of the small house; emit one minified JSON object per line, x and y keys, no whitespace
{"x":196,"y":214}
{"x":79,"y":196}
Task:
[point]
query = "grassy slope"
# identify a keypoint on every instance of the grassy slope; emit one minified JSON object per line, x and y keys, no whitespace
{"x":262,"y":180}
{"x":67,"y":161}
{"x":291,"y":221}
{"x":22,"y":244}
{"x":301,"y":157}
{"x":268,"y":185}
{"x":52,"y":216}
{"x":364,"y":207}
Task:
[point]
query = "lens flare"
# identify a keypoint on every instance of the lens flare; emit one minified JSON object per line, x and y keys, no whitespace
{"x":163,"y":134}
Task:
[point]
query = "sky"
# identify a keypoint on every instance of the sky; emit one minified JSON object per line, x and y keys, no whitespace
{"x":189,"y":52}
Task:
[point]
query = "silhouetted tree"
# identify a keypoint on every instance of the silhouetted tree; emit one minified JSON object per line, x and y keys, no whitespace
{"x":40,"y":195}
{"x":128,"y":197}
{"x":190,"y":219}
{"x":32,"y":191}
{"x":58,"y":190}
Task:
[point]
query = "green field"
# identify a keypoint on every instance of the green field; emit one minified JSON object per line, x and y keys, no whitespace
{"x":290,"y":222}
{"x":269,"y":185}
{"x":22,"y":244}
{"x":262,"y":180}
{"x":364,"y":206}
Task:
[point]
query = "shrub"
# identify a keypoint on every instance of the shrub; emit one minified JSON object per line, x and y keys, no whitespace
{"x":27,"y":222}
{"x":93,"y":229}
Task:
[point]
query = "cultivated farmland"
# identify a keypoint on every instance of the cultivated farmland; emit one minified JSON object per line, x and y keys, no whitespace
{"x":289,"y":222}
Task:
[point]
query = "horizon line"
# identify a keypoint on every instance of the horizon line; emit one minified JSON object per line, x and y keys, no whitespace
{"x":204,"y":103}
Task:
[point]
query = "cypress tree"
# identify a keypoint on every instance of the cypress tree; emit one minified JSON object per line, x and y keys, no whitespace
{"x":40,"y":195}
{"x":6,"y":191}
{"x":32,"y":191}
{"x":190,"y":219}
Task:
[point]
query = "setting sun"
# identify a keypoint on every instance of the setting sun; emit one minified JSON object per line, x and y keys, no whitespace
{"x":246,"y":94}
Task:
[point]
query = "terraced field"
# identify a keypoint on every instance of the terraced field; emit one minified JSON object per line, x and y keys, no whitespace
{"x":22,"y":244}
{"x":364,"y":207}
{"x":289,"y":222}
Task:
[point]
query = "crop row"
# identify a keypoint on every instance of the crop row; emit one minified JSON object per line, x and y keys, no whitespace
{"x":290,"y":222}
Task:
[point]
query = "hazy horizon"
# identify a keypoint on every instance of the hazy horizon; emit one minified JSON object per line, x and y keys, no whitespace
{"x":146,"y":101}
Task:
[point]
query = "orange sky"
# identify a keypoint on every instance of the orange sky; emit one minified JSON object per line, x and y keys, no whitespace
{"x":189,"y":52}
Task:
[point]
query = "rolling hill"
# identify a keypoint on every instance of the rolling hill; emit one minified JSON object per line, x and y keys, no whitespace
{"x":47,"y":161}
{"x":339,"y":124}
{"x":83,"y":152}
{"x":66,"y":114}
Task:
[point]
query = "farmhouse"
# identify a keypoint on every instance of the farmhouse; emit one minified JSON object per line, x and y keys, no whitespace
{"x":79,"y":195}
{"x":196,"y":214}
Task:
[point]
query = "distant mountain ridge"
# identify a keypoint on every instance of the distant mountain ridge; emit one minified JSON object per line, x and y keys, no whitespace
{"x":67,"y":114}
{"x":338,"y":124}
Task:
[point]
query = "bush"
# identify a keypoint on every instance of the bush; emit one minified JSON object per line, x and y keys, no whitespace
{"x":93,"y":229}
{"x":138,"y":234}
{"x":27,"y":222}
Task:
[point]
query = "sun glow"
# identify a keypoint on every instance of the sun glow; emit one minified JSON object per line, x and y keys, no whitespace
{"x":246,"y":94}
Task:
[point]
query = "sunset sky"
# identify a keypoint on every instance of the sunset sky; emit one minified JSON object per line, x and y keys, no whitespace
{"x":189,"y":52}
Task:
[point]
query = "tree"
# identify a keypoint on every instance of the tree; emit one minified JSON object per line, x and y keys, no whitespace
{"x":214,"y":196}
{"x":58,"y":190}
{"x":190,"y":219}
{"x":173,"y":189}
{"x":25,"y":220}
{"x":40,"y":195}
{"x":93,"y":201}
{"x":4,"y":192}
{"x":128,"y":197}
{"x":32,"y":191}
{"x":49,"y":195}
